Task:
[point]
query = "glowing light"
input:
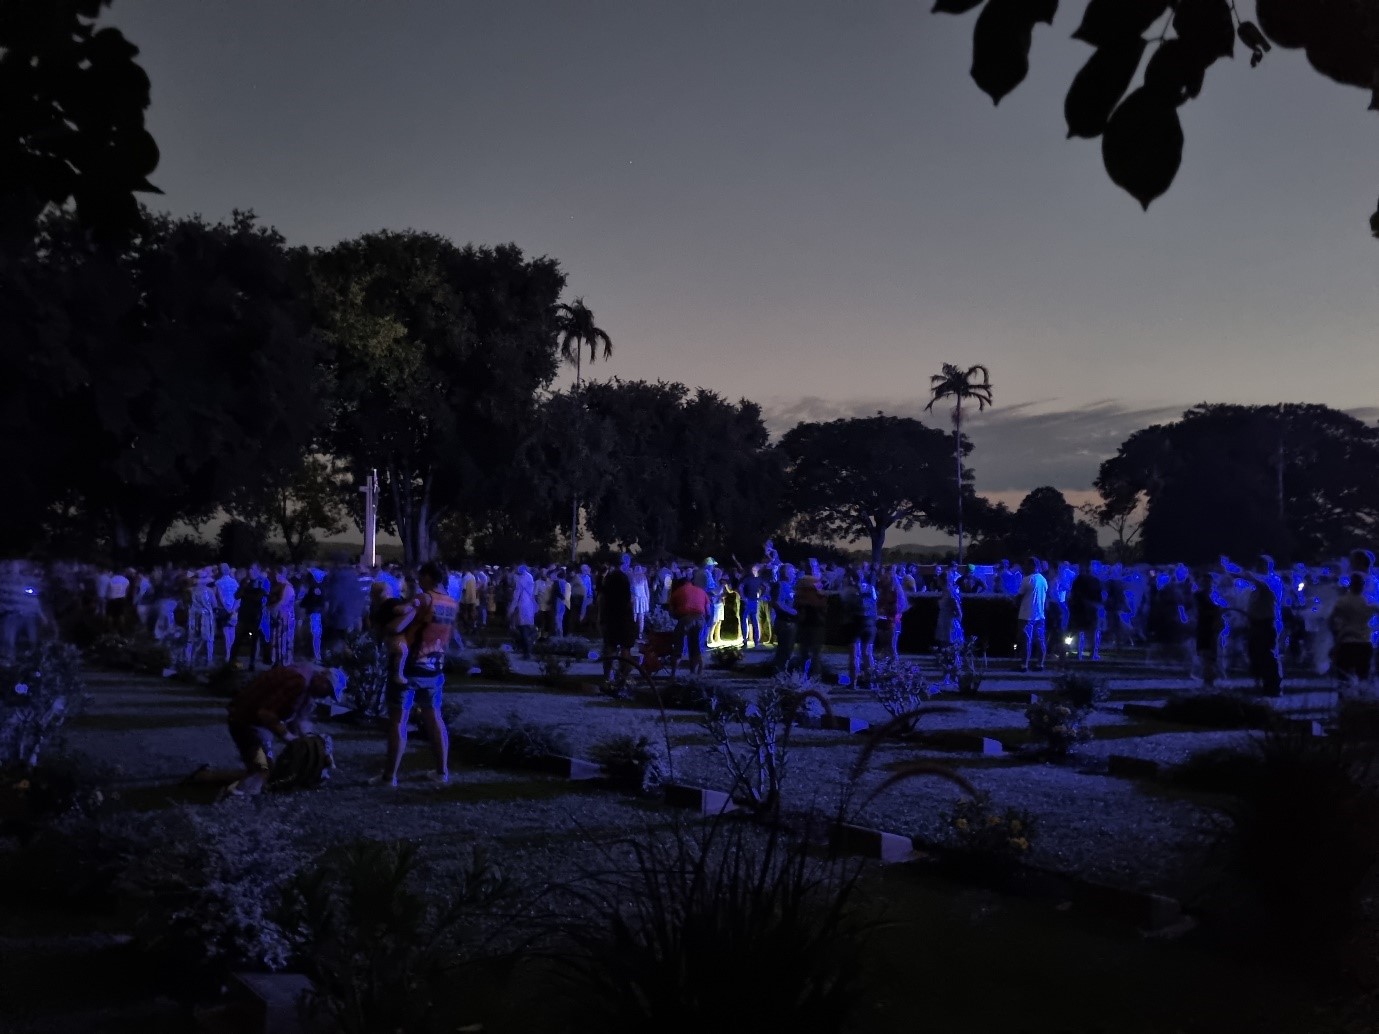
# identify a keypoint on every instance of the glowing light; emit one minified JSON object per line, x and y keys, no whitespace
{"x":1067,"y":640}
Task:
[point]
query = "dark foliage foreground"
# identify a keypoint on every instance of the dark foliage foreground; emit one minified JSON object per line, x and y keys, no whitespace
{"x":727,"y":927}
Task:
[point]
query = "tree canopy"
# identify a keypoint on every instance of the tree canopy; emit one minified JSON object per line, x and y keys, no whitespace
{"x":1287,"y":480}
{"x":858,"y":478}
{"x":440,"y":352}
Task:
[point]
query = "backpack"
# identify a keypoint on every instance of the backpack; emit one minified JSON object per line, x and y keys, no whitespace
{"x":302,"y":764}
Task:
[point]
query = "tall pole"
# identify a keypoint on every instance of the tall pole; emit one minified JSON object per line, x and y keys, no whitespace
{"x":574,"y":501}
{"x":370,"y":491}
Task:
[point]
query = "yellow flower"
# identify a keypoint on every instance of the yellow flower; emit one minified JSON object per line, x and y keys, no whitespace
{"x":993,"y":820}
{"x":1021,"y":843}
{"x":961,"y":823}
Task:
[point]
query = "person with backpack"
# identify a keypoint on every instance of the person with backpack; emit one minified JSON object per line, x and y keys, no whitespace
{"x":275,"y":706}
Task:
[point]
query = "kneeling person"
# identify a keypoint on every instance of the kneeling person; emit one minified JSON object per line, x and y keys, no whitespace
{"x":276,"y":705}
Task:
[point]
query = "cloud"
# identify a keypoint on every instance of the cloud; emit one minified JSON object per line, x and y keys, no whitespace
{"x":1017,"y":447}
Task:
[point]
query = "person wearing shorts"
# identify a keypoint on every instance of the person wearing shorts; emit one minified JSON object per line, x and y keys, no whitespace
{"x":689,"y":605}
{"x":432,"y":626}
{"x":1033,"y":598}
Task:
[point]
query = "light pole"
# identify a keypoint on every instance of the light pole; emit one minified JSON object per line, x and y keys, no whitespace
{"x":370,"y":490}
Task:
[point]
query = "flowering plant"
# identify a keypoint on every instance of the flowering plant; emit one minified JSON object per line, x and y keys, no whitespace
{"x":659,"y":620}
{"x":979,"y":827}
{"x":1058,"y":724}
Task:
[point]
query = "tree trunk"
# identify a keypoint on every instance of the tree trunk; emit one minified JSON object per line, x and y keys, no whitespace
{"x":957,"y":455}
{"x":402,"y":517}
{"x":878,"y":545}
{"x":157,"y":528}
{"x":425,"y":534}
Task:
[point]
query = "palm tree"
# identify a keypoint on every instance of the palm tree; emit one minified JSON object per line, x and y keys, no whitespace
{"x":575,"y":324}
{"x":960,"y":385}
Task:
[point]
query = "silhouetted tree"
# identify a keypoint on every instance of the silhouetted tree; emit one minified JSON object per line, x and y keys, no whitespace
{"x":961,"y":386}
{"x":1045,"y":525}
{"x":439,"y":354}
{"x":858,"y":478}
{"x":1283,"y":480}
{"x":577,"y":332}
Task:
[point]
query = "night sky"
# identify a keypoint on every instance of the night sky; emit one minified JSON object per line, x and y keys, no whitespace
{"x":809,"y":204}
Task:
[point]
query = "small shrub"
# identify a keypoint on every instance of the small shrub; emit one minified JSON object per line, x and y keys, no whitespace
{"x":759,"y":767}
{"x":208,"y":882}
{"x":899,"y":686}
{"x":1307,"y":837}
{"x":977,"y":826}
{"x":960,"y":666}
{"x":725,"y":658}
{"x":673,"y":944}
{"x":365,"y":664}
{"x":383,"y":950}
{"x":1219,"y":711}
{"x":516,"y":744}
{"x":494,"y":664}
{"x":1056,"y":725}
{"x":632,"y":763}
{"x":37,"y":695}
{"x":1081,"y":691}
{"x":64,"y":785}
{"x":553,"y":669}
{"x":575,"y":647}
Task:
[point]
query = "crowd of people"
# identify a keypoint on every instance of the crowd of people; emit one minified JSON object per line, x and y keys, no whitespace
{"x":1206,"y":620}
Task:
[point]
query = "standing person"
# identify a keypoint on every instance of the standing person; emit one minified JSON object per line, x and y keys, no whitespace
{"x":812,"y":607}
{"x":584,"y":589}
{"x":891,"y":605}
{"x":641,"y":598}
{"x":750,"y":591}
{"x":431,"y":625}
{"x":706,"y":577}
{"x":689,"y":605}
{"x":1087,"y":609}
{"x":561,"y":592}
{"x":282,"y":620}
{"x":1261,"y":631}
{"x":950,"y":631}
{"x":784,"y":617}
{"x":1349,"y":621}
{"x":117,"y":599}
{"x":1033,"y":599}
{"x":313,"y":606}
{"x":275,"y":705}
{"x":227,"y":607}
{"x":201,"y":618}
{"x":522,"y":609}
{"x":616,"y":614}
{"x":859,"y":605}
{"x":1211,"y":622}
{"x":469,"y":598}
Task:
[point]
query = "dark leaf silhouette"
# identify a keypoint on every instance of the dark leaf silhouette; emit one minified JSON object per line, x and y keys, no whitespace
{"x":1143,"y":145}
{"x":1001,"y":42}
{"x":1286,"y":22}
{"x":1108,"y":22}
{"x":1374,"y":95}
{"x":1251,"y":36}
{"x":1207,"y":27}
{"x":1374,"y":223}
{"x":1175,"y":71}
{"x":1099,"y":86}
{"x":955,"y":6}
{"x":1345,"y":52}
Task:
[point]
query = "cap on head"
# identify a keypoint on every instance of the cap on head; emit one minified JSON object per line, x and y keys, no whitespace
{"x":710,"y":562}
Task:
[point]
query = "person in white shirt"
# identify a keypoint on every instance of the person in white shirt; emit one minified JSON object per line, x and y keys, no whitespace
{"x":226,"y":607}
{"x":1034,"y":597}
{"x":117,"y":599}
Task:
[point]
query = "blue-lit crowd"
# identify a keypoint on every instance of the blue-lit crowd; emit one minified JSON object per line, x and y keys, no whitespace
{"x":1255,"y":617}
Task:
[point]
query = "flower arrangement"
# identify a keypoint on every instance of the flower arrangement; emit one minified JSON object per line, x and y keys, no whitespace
{"x":1057,"y":724}
{"x":958,"y":662}
{"x":981,"y":828}
{"x":899,"y":686}
{"x":659,"y":620}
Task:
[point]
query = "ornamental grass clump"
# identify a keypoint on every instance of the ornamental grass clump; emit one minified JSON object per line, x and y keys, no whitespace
{"x":385,"y":949}
{"x":38,"y":693}
{"x":494,"y":664}
{"x":724,"y":927}
{"x":517,"y":744}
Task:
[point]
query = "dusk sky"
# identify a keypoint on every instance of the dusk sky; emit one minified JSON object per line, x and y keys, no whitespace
{"x":807,"y":204}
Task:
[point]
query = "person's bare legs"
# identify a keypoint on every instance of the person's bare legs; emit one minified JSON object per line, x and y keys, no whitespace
{"x":440,"y":739}
{"x":397,"y":742}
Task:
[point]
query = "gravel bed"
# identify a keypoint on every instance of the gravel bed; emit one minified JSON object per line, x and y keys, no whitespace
{"x":544,"y":830}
